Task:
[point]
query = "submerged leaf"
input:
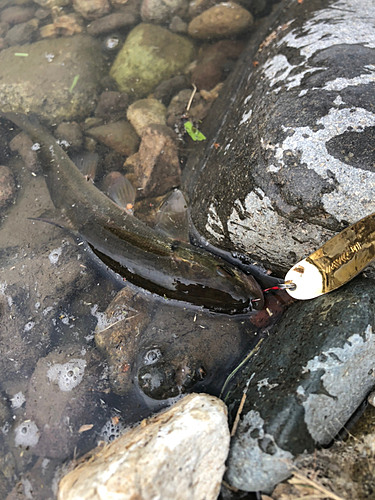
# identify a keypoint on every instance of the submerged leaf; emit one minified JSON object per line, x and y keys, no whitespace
{"x":194,"y":133}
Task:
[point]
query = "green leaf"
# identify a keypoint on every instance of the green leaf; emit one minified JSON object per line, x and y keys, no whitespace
{"x":75,"y":81}
{"x":194,"y":133}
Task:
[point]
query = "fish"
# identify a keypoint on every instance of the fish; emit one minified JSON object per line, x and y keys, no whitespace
{"x":148,"y":258}
{"x":335,"y":263}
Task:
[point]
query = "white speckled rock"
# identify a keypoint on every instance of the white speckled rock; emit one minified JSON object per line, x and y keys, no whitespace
{"x":179,"y":454}
{"x":295,"y":162}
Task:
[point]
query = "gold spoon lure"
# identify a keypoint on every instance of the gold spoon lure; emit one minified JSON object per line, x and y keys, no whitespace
{"x":335,"y":263}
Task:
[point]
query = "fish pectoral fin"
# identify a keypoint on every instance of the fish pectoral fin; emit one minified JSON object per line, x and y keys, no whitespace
{"x":56,"y":218}
{"x":173,"y":219}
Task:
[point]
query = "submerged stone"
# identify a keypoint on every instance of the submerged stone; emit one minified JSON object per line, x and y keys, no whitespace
{"x":303,"y":385}
{"x":150,"y":55}
{"x":293,"y":161}
{"x":42,"y":81}
{"x":179,"y":454}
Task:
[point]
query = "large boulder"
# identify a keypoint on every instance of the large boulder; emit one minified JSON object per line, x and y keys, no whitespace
{"x":293,"y":161}
{"x":58,"y":79}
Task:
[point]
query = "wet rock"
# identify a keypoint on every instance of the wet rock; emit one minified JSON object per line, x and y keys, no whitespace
{"x":69,"y":134}
{"x":144,"y":464}
{"x":4,"y":28}
{"x":117,"y":335}
{"x":150,"y":55}
{"x":214,"y":62}
{"x":91,"y":9}
{"x":167,"y":89}
{"x":112,"y":23}
{"x":43,"y":85}
{"x":50,"y":4}
{"x":146,"y":112}
{"x":17,"y":14}
{"x":31,"y":483}
{"x":161,"y":11}
{"x":21,"y":33}
{"x":222,"y":20}
{"x":156,"y":165}
{"x":177,"y":25}
{"x":24,"y":145}
{"x":119,"y":136}
{"x":59,"y":400}
{"x":112,"y":105}
{"x":177,"y":108}
{"x":304,"y":384}
{"x":286,"y":177}
{"x":7,"y":186}
{"x":66,"y":25}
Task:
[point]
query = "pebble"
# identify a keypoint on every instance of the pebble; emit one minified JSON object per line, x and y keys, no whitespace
{"x":150,"y":55}
{"x":112,"y":23}
{"x":24,"y":146}
{"x":213,"y":63}
{"x":116,"y":337}
{"x":221,"y":21}
{"x":17,"y":14}
{"x":177,"y":455}
{"x":156,"y":165}
{"x":161,"y":11}
{"x":146,"y":112}
{"x":21,"y":33}
{"x":167,"y":89}
{"x":112,"y":105}
{"x":91,"y":9}
{"x":69,"y":134}
{"x":7,"y":186}
{"x":177,"y":25}
{"x":119,"y":136}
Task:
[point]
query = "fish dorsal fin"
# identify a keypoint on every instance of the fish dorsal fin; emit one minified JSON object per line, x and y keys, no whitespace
{"x":120,"y":190}
{"x":172,"y":219}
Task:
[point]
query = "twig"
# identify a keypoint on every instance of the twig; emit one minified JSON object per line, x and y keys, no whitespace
{"x":191,"y":97}
{"x":239,"y":411}
{"x":316,"y":485}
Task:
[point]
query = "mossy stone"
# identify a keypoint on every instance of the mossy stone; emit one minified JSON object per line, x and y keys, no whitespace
{"x":150,"y":55}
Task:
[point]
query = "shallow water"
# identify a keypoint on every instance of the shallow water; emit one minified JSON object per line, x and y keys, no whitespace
{"x":53,"y":292}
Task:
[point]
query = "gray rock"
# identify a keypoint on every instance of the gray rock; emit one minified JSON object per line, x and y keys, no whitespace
{"x":119,"y":136}
{"x":303,"y":385}
{"x":156,"y":165}
{"x":146,"y":112}
{"x":43,"y":85}
{"x":162,"y":11}
{"x":7,"y":186}
{"x":17,"y":14}
{"x":295,"y":162}
{"x":21,"y":33}
{"x":150,"y":55}
{"x":69,"y":134}
{"x":179,"y":454}
{"x":112,"y":23}
{"x":223,"y":20}
{"x":91,"y":9}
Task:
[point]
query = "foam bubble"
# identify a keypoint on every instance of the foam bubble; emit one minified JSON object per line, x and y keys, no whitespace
{"x":26,"y":434}
{"x":54,"y":255}
{"x":18,"y":400}
{"x":111,"y":431}
{"x":69,"y":375}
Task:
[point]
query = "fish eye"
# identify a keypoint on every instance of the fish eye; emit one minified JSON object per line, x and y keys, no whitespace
{"x":224,"y":271}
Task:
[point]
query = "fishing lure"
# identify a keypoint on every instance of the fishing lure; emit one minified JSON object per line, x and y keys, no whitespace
{"x":335,"y":263}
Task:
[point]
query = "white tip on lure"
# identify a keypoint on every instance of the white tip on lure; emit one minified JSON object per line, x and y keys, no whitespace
{"x":335,"y":263}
